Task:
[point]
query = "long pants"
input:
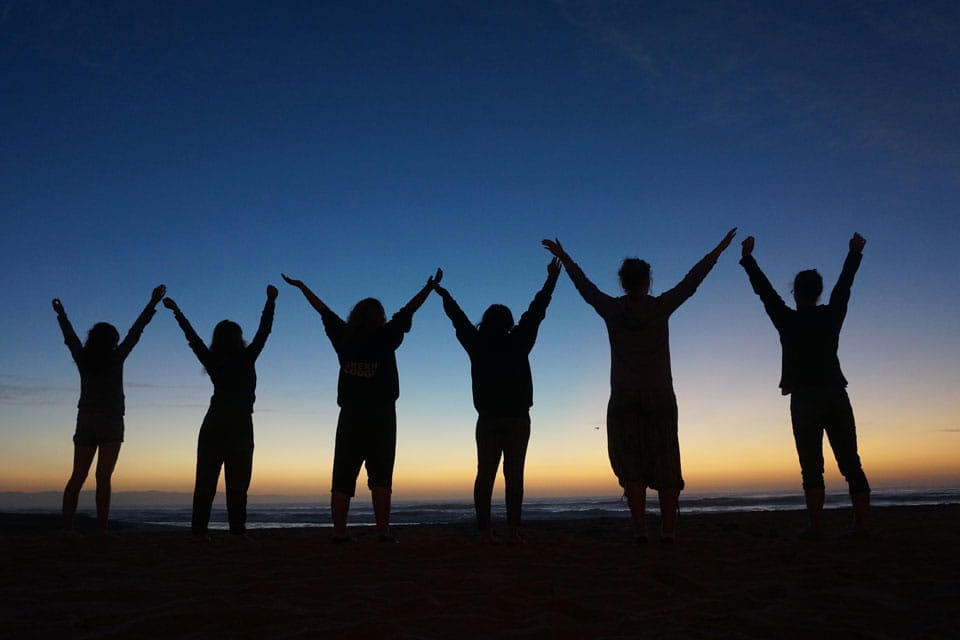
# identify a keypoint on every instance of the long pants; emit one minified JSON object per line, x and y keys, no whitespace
{"x":506,"y":436}
{"x":813,"y":412}
{"x":226,"y":439}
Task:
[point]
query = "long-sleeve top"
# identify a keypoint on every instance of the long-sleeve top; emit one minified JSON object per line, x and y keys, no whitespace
{"x":234,"y":375}
{"x":499,"y":364}
{"x":809,"y":336}
{"x":637,"y":328}
{"x":368,"y":362}
{"x":101,"y":381}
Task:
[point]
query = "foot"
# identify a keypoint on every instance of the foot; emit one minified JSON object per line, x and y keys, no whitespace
{"x":387,"y":538}
{"x":489,"y":537}
{"x":239,"y":538}
{"x":201,"y":538}
{"x":514,"y":539}
{"x":341,"y":539}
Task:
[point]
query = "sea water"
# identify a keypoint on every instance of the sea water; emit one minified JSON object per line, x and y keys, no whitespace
{"x":317,"y":514}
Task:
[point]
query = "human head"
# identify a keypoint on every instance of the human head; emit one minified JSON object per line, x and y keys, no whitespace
{"x":497,"y":319}
{"x":807,"y":287}
{"x":634,"y":275}
{"x":367,"y":314}
{"x":102,"y":337}
{"x":227,"y":337}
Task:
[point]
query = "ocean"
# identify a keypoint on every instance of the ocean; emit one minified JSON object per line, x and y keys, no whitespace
{"x":317,"y":514}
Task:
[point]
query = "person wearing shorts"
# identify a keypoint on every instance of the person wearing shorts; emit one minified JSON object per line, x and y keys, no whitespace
{"x":642,"y":438}
{"x":100,"y":410}
{"x":368,"y":386}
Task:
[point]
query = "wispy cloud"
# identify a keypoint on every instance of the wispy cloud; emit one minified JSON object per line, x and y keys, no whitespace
{"x":879,"y":76}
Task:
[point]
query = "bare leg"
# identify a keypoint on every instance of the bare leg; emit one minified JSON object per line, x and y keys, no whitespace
{"x":636,"y":493}
{"x":381,"y":508}
{"x":82,"y":459}
{"x":814,"y":497}
{"x":339,"y":507}
{"x":106,"y":461}
{"x":669,"y":507}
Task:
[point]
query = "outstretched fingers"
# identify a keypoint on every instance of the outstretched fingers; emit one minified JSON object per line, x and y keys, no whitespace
{"x":291,"y":281}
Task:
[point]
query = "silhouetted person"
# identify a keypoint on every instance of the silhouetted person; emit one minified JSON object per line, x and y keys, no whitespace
{"x":226,"y":435}
{"x":810,"y":374}
{"x":101,"y":406}
{"x":367,"y":390}
{"x":642,"y":436}
{"x":502,"y":395}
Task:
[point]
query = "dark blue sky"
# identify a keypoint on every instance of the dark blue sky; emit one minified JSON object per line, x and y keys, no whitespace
{"x":360,"y":145}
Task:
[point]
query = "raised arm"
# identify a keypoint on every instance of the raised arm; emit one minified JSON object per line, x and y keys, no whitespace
{"x":311,"y":297}
{"x":69,"y":335}
{"x":688,"y":286}
{"x":466,"y":332}
{"x":530,"y":320}
{"x":266,"y":322}
{"x":840,"y":295}
{"x":133,"y":335}
{"x":196,"y":344}
{"x":772,"y":301}
{"x":588,"y":291}
{"x":417,"y":301}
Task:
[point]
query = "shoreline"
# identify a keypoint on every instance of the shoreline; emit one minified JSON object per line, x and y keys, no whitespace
{"x":739,"y":574}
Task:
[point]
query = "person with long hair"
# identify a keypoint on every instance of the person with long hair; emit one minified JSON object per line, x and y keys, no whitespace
{"x":100,"y":410}
{"x":367,"y":390}
{"x":642,"y":437}
{"x":811,"y":376}
{"x":499,"y":353}
{"x":226,"y":435}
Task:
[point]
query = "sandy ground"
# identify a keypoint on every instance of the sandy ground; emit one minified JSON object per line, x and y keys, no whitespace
{"x":728,"y":576}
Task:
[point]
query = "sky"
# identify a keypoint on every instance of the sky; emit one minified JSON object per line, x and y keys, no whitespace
{"x":210,"y":146}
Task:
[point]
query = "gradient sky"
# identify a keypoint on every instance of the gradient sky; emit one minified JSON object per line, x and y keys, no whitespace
{"x":358,"y":146}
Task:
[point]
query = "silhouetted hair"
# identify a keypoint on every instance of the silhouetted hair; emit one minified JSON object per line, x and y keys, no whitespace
{"x":496,"y":320}
{"x":101,"y":341}
{"x":227,"y":338}
{"x":367,"y":314}
{"x":807,"y":286}
{"x":634,"y":275}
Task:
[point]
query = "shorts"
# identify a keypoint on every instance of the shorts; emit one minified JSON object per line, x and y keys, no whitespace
{"x":365,"y":436}
{"x":94,"y":429}
{"x":642,"y":439}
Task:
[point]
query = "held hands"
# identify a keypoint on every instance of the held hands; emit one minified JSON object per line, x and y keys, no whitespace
{"x":553,"y":268}
{"x":857,"y":243}
{"x":158,"y":292}
{"x":57,"y":306}
{"x":554,"y":247}
{"x":746,"y":247}
{"x":170,"y":304}
{"x":434,"y":281}
{"x":272,"y":292}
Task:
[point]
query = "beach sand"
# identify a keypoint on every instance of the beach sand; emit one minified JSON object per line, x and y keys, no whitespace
{"x":728,"y":576}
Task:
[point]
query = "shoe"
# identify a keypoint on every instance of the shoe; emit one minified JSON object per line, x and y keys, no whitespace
{"x":387,"y":538}
{"x":341,"y":539}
